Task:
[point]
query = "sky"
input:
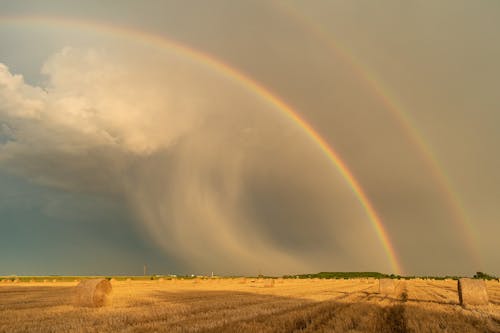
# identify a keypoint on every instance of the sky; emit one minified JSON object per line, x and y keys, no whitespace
{"x":249,"y":137}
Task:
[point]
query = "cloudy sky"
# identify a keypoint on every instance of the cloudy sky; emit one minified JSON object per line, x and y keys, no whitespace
{"x":150,"y":133}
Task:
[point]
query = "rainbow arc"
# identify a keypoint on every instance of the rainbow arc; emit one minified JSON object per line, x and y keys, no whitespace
{"x":246,"y":82}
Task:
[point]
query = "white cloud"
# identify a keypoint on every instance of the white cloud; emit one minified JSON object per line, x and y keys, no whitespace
{"x":185,"y":147}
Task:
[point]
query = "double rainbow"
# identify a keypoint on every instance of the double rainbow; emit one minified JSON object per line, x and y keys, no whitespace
{"x":404,"y":120}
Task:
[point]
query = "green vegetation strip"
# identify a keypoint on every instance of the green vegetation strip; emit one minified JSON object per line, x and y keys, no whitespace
{"x":321,"y":275}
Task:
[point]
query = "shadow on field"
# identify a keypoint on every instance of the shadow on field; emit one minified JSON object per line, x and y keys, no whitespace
{"x":423,"y":301}
{"x":224,"y":311}
{"x":373,"y":296}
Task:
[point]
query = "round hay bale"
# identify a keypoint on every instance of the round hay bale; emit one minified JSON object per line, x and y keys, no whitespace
{"x":54,"y":281}
{"x":269,"y":283}
{"x":161,"y":279}
{"x":386,"y":286}
{"x":93,"y":293}
{"x":472,"y":292}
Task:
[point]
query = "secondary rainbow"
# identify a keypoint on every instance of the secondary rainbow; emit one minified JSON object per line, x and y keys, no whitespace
{"x":377,"y":88}
{"x":247,"y":82}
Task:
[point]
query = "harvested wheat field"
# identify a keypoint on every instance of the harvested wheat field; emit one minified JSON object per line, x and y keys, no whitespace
{"x":228,"y":305}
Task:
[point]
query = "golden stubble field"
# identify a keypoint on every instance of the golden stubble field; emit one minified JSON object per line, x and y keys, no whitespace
{"x":249,"y":305}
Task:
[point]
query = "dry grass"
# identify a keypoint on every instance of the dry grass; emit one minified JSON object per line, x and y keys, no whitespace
{"x":225,"y":305}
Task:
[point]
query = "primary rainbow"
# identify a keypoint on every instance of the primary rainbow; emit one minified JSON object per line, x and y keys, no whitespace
{"x":377,"y":88}
{"x":244,"y":80}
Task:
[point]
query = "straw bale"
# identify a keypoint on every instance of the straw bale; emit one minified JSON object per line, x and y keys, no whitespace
{"x":386,"y":286}
{"x":93,"y":293}
{"x":472,"y":292}
{"x":268,"y":283}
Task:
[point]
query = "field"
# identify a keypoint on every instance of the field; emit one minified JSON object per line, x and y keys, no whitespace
{"x":248,"y":305}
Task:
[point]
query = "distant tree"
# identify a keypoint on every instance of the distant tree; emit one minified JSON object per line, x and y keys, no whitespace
{"x":484,"y":276}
